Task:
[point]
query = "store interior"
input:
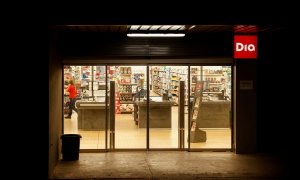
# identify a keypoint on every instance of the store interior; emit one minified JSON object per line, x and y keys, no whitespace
{"x":206,"y":99}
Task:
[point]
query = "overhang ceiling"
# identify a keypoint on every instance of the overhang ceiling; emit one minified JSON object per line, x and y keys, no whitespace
{"x":188,"y":29}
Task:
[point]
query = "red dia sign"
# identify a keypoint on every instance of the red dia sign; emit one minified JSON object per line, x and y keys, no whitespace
{"x":245,"y":47}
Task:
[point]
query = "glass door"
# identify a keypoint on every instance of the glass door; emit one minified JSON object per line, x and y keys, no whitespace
{"x":210,"y":107}
{"x":164,"y":105}
{"x":130,"y":114}
{"x":84,"y":104}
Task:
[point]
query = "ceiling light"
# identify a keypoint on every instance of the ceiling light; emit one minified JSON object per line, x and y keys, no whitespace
{"x":145,"y":27}
{"x":176,"y":27}
{"x":182,"y":28}
{"x":154,"y":27}
{"x":155,"y":35}
{"x":134,"y":27}
{"x":165,"y":27}
{"x":192,"y":27}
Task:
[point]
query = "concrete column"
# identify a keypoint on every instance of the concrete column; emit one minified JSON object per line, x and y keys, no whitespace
{"x":245,"y":117}
{"x":55,"y":102}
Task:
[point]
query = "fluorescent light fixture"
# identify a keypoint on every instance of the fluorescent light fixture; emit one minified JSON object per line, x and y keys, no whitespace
{"x":182,"y":28}
{"x":145,"y":27}
{"x":165,"y":27}
{"x":134,"y":27}
{"x":155,"y":35}
{"x":176,"y":27}
{"x":154,"y":27}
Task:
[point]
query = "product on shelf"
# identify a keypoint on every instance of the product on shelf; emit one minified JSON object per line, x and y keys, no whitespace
{"x":167,"y":79}
{"x":216,"y":81}
{"x":128,"y":81}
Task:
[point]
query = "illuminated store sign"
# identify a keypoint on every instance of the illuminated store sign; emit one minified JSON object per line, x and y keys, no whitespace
{"x":245,"y":47}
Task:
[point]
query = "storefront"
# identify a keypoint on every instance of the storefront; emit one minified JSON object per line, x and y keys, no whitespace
{"x":150,"y":93}
{"x":179,"y":96}
{"x":98,"y":38}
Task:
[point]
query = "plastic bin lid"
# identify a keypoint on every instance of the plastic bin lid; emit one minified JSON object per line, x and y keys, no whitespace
{"x":71,"y":135}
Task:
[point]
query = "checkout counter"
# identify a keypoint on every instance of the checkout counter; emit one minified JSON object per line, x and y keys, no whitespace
{"x":91,"y":115}
{"x":214,"y":114}
{"x":160,"y":113}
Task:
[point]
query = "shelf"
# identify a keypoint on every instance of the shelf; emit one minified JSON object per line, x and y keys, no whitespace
{"x":127,"y":83}
{"x":212,"y":92}
{"x":126,"y":112}
{"x":126,"y":102}
{"x":215,"y":83}
{"x":212,"y":74}
{"x":127,"y":93}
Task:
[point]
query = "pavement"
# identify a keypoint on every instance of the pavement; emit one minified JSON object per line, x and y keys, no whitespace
{"x":174,"y":165}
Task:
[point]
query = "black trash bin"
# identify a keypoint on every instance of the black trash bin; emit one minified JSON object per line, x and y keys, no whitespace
{"x":70,"y":146}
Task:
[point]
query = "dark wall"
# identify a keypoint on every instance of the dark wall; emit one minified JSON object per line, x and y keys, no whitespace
{"x":55,"y":102}
{"x":97,"y":45}
{"x":176,"y":13}
{"x":277,"y":96}
{"x":27,"y":63}
{"x":245,"y":106}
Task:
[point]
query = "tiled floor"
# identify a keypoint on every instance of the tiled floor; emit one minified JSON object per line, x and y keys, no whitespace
{"x":129,"y":136}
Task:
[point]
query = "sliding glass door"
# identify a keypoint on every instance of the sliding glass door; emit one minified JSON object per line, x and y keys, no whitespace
{"x":130,"y":88}
{"x":210,"y":118}
{"x":87,"y":115}
{"x":164,"y":105}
